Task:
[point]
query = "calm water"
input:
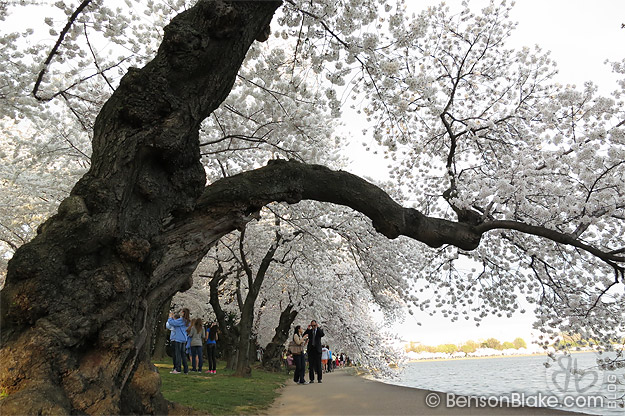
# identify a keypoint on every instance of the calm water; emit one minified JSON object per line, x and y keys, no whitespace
{"x":524,"y":379}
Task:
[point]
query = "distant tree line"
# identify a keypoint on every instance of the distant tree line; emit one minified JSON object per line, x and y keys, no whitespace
{"x":467,"y":347}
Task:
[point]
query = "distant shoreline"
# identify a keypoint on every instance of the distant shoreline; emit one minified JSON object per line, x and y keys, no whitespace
{"x":538,"y":354}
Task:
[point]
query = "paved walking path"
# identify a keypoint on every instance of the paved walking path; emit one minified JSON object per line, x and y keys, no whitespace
{"x":342,"y":393}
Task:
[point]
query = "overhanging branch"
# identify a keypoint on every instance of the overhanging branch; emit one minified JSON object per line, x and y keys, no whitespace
{"x":291,"y":182}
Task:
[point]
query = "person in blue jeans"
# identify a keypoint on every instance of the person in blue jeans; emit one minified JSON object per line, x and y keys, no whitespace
{"x":180,"y":340}
{"x":211,"y":347}
{"x":298,"y":357}
{"x":330,"y":359}
{"x":197,"y":338}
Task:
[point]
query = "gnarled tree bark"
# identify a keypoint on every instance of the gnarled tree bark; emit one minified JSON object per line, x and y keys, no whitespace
{"x":161,"y":333}
{"x":80,"y":300}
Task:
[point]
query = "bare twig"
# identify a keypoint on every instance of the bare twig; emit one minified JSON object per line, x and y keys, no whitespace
{"x":55,"y":48}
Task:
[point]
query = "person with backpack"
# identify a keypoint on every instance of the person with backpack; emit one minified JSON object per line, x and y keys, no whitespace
{"x":211,"y":346}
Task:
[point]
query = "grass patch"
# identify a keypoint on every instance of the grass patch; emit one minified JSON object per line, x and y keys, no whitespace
{"x":221,"y":393}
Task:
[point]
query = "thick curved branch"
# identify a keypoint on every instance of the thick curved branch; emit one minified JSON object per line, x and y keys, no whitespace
{"x":291,"y":182}
{"x":231,"y":202}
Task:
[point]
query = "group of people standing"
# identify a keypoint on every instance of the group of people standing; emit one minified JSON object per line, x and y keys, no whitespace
{"x":311,"y":340}
{"x":187,"y":338}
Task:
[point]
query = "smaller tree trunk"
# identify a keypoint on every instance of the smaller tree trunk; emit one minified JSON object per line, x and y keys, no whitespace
{"x":245,"y":348}
{"x":228,"y":330}
{"x":227,"y":342}
{"x":272,"y":358}
{"x":246,"y":345}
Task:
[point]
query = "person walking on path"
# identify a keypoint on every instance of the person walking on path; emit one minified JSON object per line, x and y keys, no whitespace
{"x":298,"y":357}
{"x":330,"y":360}
{"x":196,"y":334}
{"x":315,"y":333}
{"x":211,"y":347}
{"x":180,"y":340}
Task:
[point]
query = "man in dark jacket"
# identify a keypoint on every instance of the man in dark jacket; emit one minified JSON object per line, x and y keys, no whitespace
{"x":314,"y":350}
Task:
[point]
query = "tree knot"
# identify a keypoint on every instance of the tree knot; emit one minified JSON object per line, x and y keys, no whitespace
{"x":133,"y":249}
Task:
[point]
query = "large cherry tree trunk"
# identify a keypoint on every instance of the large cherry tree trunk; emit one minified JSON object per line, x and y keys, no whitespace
{"x":81,"y":299}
